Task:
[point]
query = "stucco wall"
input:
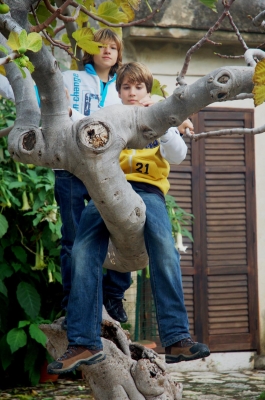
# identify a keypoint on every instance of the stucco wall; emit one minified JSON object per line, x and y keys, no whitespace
{"x":165,"y":59}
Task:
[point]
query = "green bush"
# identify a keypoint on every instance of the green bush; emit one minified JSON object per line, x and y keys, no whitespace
{"x":30,"y":279}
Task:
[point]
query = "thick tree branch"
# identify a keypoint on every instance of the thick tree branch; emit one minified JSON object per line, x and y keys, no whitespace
{"x":259,"y":20}
{"x":5,"y":132}
{"x":252,"y":54}
{"x":6,"y":59}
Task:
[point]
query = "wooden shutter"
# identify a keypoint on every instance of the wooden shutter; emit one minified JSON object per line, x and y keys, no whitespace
{"x":225,"y":246}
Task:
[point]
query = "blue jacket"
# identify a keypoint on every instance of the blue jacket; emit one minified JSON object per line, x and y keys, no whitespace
{"x":87,"y":92}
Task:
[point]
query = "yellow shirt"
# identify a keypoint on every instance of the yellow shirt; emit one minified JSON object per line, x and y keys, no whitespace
{"x":147,"y":166}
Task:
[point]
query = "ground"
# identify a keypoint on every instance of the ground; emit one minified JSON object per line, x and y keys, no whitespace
{"x":230,"y":385}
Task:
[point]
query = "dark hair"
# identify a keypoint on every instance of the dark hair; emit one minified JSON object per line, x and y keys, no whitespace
{"x":104,"y":36}
{"x":136,"y":73}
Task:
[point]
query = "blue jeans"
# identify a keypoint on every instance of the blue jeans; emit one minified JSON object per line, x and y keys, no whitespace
{"x":70,"y":194}
{"x":88,"y":255}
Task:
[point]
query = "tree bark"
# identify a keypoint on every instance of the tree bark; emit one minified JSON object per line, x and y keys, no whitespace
{"x":130,"y":371}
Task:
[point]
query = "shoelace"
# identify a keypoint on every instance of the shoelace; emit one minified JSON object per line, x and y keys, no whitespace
{"x":68,"y":352}
{"x":187,"y":341}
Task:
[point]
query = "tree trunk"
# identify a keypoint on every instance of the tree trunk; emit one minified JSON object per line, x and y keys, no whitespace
{"x":130,"y":371}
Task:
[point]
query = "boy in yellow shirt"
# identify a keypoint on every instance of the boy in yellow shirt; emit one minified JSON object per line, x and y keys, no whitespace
{"x":147,"y":171}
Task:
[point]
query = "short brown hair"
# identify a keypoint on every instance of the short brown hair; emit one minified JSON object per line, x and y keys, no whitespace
{"x":104,"y":36}
{"x":136,"y":73}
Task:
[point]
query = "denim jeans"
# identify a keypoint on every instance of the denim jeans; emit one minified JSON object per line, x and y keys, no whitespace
{"x":70,"y":194}
{"x":88,"y":255}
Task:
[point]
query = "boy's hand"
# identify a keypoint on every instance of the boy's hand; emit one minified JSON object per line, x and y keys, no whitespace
{"x":146,"y":101}
{"x":186,"y":124}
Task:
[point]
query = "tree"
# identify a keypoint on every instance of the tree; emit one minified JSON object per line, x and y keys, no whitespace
{"x":90,"y":148}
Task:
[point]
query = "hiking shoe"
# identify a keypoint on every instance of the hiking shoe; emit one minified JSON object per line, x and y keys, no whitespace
{"x":73,"y":357}
{"x":186,"y":350}
{"x":115,"y":309}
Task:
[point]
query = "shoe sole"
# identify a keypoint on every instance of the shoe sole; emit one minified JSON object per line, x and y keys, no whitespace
{"x":93,"y":360}
{"x":171,"y":359}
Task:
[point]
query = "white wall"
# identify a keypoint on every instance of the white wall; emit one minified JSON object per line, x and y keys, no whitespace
{"x":164,"y":61}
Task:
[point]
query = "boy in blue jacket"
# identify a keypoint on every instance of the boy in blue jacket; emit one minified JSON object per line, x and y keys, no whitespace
{"x":88,"y":91}
{"x":147,"y":173}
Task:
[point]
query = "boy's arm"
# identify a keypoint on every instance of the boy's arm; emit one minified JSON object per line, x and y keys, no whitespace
{"x":186,"y":124}
{"x":172,"y":146}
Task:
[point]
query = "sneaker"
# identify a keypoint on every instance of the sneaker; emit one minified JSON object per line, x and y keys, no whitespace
{"x":186,"y":350}
{"x":115,"y":309}
{"x":73,"y":357}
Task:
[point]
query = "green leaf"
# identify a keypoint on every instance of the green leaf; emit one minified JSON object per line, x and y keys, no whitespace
{"x":3,"y":225}
{"x":58,"y":276}
{"x":42,"y":13}
{"x":3,"y":288}
{"x":3,"y":49}
{"x":34,"y":376}
{"x":36,"y":220}
{"x":210,"y":4}
{"x":23,"y":73}
{"x":34,"y":42}
{"x":83,"y":33}
{"x":22,"y":324}
{"x":32,"y":20}
{"x":110,"y":12}
{"x":33,"y":350}
{"x":29,"y":299}
{"x":88,"y":3}
{"x":23,"y":39}
{"x":5,"y":271}
{"x":5,"y":353}
{"x":2,"y":70}
{"x":13,"y":41}
{"x":82,"y":19}
{"x":89,"y":46}
{"x":20,"y":253}
{"x":135,"y":4}
{"x":30,"y":67}
{"x":128,"y":10}
{"x":16,"y":185}
{"x":158,"y":89}
{"x":65,"y":38}
{"x":16,"y":266}
{"x":37,"y":334}
{"x":187,"y":233}
{"x":16,"y":338}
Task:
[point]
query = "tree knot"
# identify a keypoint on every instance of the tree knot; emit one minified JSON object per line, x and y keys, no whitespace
{"x":95,"y":135}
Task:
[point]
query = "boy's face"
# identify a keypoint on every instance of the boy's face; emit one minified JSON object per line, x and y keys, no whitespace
{"x":107,"y":57}
{"x":132,"y":93}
